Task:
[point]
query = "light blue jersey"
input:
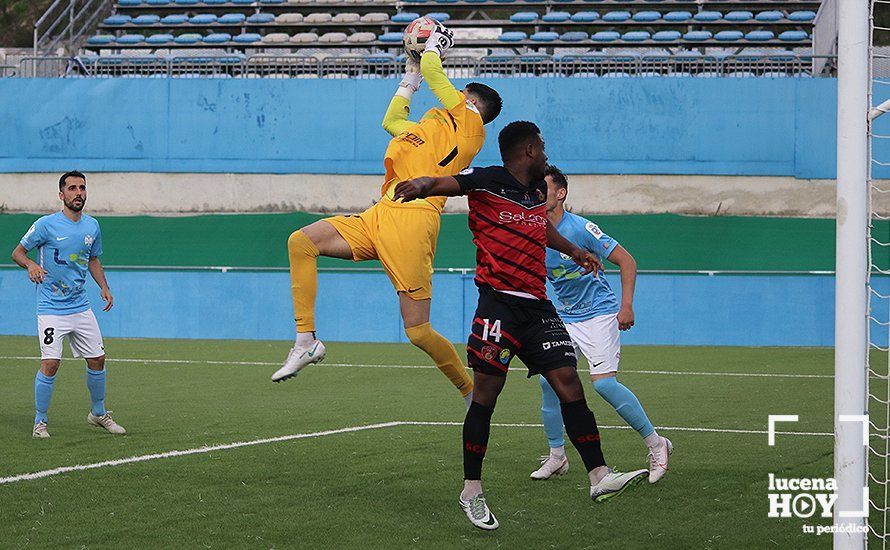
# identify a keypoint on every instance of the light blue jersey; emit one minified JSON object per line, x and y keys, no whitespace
{"x":580,"y":297}
{"x":65,"y":251}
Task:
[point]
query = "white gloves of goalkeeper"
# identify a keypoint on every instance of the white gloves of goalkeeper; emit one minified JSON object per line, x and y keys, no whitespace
{"x":440,"y":40}
{"x":411,"y":81}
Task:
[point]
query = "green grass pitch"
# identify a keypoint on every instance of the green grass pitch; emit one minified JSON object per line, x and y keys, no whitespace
{"x":396,"y":486}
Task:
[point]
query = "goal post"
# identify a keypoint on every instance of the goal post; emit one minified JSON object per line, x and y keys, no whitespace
{"x":851,"y":283}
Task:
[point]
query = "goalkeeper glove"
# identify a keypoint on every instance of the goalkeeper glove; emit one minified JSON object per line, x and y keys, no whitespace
{"x":440,"y":40}
{"x":411,"y":81}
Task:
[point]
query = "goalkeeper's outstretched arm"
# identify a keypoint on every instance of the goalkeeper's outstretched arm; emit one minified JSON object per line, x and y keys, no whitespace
{"x":434,"y":74}
{"x":395,"y":121}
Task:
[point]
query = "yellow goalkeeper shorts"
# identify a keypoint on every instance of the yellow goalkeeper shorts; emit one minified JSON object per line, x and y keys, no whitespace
{"x":402,"y":236}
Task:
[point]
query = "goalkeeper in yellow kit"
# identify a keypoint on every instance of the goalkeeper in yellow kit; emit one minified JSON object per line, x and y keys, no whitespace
{"x":401,"y":235}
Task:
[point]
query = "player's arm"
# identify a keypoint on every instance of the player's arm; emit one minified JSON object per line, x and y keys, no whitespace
{"x":420,"y":188}
{"x":98,"y":273}
{"x":582,"y":257}
{"x":395,"y":121}
{"x":431,"y":68}
{"x":627,"y":266}
{"x":20,"y":257}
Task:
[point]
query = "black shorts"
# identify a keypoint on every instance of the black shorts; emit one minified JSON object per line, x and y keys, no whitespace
{"x":506,"y":326}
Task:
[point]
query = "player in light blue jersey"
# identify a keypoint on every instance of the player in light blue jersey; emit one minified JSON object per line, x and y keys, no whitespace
{"x":69,"y":244}
{"x":593,"y":316}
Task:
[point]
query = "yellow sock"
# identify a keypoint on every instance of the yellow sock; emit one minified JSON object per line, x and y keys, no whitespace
{"x":443,"y":353}
{"x":303,"y":255}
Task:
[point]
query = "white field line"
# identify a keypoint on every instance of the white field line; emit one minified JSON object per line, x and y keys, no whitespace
{"x":370,"y":366}
{"x":223,"y":447}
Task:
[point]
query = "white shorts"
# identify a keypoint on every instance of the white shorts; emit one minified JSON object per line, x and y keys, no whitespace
{"x":598,"y":339}
{"x":81,"y":329}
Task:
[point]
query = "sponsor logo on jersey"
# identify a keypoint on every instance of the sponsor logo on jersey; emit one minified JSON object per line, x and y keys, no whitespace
{"x":522,"y":218}
{"x":465,"y":172}
{"x":88,"y":240}
{"x":505,"y":356}
{"x":593,"y":229}
{"x":488,"y":352}
{"x":557,"y":344}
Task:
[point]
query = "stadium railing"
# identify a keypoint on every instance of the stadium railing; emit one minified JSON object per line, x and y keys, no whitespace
{"x":589,"y":65}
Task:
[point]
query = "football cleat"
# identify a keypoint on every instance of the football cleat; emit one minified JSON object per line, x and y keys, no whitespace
{"x":105,"y":421}
{"x":478,"y":513}
{"x":40,"y":431}
{"x":658,"y":460}
{"x":614,"y":483}
{"x":551,"y":466}
{"x":298,"y":359}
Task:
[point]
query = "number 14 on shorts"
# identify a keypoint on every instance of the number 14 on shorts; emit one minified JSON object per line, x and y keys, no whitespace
{"x":492,"y":329}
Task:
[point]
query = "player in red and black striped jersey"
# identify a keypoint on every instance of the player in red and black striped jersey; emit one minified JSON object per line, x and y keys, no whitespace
{"x":508,"y":218}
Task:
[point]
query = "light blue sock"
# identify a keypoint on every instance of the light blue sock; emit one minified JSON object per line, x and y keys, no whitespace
{"x":551,"y":414}
{"x":625,"y":403}
{"x":43,"y":393}
{"x":96,"y":385}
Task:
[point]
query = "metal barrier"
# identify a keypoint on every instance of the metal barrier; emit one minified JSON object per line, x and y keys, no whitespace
{"x":586,"y":65}
{"x":7,"y":71}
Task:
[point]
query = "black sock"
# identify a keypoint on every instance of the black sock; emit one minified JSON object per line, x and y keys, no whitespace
{"x":477,"y":426}
{"x":583,"y":433}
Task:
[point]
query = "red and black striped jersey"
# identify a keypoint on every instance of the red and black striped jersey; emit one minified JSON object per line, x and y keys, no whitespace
{"x":509,"y":225}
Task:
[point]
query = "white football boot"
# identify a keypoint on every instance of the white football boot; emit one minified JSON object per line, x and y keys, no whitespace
{"x":658,"y":460}
{"x":551,"y":466}
{"x":614,"y":483}
{"x":40,"y":431}
{"x":478,"y":513}
{"x":105,"y":421}
{"x":298,"y":359}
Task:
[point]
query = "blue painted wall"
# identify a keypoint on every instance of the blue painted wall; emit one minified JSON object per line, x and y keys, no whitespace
{"x":743,"y":310}
{"x":734,"y":126}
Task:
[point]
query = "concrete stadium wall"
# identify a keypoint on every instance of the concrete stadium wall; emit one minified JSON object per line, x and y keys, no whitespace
{"x":738,"y":310}
{"x":141,"y":193}
{"x":707,"y":126}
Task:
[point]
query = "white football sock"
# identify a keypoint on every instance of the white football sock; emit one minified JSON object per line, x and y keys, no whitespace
{"x":653,"y":441}
{"x":305,"y":339}
{"x":472,"y":487}
{"x":558,"y":452}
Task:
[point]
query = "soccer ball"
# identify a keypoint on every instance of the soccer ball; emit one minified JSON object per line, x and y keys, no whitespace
{"x":416,"y":35}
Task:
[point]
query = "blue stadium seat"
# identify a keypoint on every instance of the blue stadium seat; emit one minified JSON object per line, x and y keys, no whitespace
{"x":574,"y":36}
{"x":556,"y":17}
{"x":544,"y":36}
{"x":247,"y":38}
{"x":729,"y":36}
{"x":392,"y":37}
{"x":677,"y":16}
{"x":801,"y":16}
{"x":127,"y":39}
{"x":188,"y":38}
{"x":636,"y":36}
{"x":605,"y":36}
{"x":117,"y":20}
{"x":524,"y":17}
{"x":760,"y":36}
{"x":739,"y":16}
{"x":158,"y":2}
{"x":616,"y":16}
{"x":383,"y":57}
{"x":174,"y":19}
{"x":647,"y":16}
{"x":439,"y":16}
{"x":186,"y":2}
{"x":203,"y":19}
{"x":146,"y":19}
{"x":505,"y":1}
{"x":769,"y":16}
{"x":217,"y":38}
{"x":272,"y":1}
{"x":216,"y":2}
{"x":158,"y":39}
{"x":100,"y":40}
{"x":415,"y":1}
{"x":231,"y":19}
{"x":666,"y":36}
{"x":512,"y":36}
{"x":707,"y":16}
{"x":585,"y":17}
{"x":793,"y":36}
{"x":129,"y":2}
{"x":261,"y":18}
{"x":446,"y":1}
{"x":697,"y":36}
{"x":475,"y":1}
{"x":242,"y":2}
{"x":404,"y":17}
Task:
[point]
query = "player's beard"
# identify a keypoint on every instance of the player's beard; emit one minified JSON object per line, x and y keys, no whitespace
{"x":75,"y":206}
